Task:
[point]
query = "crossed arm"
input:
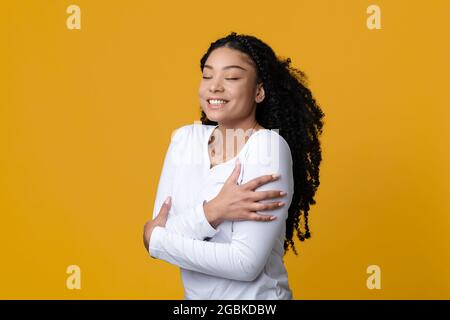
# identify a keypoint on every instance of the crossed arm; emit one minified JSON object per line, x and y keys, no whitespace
{"x":192,"y":223}
{"x":181,"y":241}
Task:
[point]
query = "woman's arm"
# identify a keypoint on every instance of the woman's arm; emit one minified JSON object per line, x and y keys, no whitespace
{"x":252,"y":241}
{"x":192,"y":222}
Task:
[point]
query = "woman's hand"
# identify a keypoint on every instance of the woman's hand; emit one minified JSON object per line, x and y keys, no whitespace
{"x":160,"y":221}
{"x":239,"y":202}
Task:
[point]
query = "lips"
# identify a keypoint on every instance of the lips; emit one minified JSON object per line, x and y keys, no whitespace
{"x":216,"y":106}
{"x":216,"y":98}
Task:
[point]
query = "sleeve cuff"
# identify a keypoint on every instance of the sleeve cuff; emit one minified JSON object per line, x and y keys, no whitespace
{"x":206,"y":228}
{"x":155,"y":241}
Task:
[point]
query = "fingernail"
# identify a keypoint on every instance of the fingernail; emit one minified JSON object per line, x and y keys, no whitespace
{"x":280,"y":204}
{"x":282,"y":193}
{"x":273,"y":218}
{"x":167,"y":200}
{"x":276,"y":175}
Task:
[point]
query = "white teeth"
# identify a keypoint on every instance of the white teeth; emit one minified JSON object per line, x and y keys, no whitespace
{"x":217,"y":101}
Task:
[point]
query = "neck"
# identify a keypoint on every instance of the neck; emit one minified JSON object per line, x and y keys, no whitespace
{"x":246,"y":126}
{"x":237,"y":135}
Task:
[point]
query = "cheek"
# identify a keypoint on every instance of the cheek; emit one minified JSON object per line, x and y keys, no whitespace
{"x":242,"y":93}
{"x":203,"y":87}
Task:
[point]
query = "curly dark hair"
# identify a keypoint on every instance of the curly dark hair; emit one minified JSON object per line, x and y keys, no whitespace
{"x":289,"y":107}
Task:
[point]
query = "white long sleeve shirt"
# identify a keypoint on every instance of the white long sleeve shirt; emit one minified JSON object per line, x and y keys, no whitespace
{"x":239,"y":259}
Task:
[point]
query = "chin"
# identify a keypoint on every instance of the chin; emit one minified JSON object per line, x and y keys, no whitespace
{"x":213,"y":117}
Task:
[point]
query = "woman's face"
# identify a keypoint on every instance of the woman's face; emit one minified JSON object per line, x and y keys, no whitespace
{"x":229,"y":75}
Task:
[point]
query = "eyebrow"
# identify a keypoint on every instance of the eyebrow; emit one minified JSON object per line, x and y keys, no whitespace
{"x":226,"y":67}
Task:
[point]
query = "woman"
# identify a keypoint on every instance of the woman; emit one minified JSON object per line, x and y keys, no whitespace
{"x":225,"y":246}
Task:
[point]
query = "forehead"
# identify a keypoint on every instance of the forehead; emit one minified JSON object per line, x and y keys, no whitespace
{"x":224,"y":56}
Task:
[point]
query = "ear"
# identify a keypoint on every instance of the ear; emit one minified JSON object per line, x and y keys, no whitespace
{"x":260,"y":94}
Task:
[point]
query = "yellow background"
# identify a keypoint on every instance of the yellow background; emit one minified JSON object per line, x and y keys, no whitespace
{"x":86,"y":117}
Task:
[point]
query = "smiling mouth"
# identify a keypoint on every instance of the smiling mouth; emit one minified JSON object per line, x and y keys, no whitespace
{"x":216,"y":103}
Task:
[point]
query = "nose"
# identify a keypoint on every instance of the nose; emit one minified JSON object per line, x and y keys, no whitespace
{"x":216,"y":85}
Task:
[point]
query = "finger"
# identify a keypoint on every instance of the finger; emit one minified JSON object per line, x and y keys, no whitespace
{"x":165,"y":207}
{"x":259,"y":181}
{"x":258,"y":206}
{"x":269,"y":194}
{"x":234,"y":176}
{"x":260,"y":217}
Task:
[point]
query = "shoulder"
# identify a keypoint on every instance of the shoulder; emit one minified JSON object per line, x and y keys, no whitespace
{"x":269,"y":145}
{"x":186,"y":144}
{"x":190,"y":131}
{"x":188,"y":141}
{"x":195,"y":129}
{"x":268,"y":152}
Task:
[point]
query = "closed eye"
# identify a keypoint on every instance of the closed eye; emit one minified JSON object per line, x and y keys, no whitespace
{"x":225,"y":78}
